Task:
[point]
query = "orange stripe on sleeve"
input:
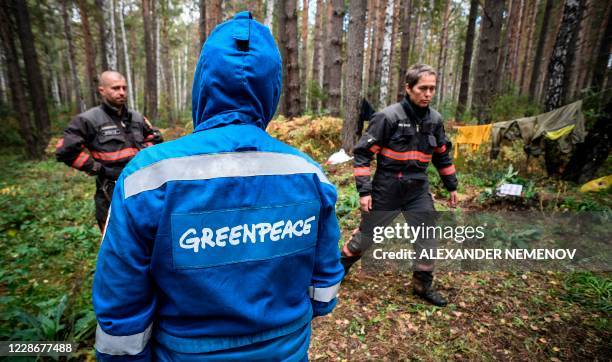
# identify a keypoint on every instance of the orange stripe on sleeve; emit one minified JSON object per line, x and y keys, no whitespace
{"x":447,"y":170}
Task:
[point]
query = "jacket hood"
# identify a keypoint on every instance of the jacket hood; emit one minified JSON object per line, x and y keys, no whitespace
{"x":238,"y":77}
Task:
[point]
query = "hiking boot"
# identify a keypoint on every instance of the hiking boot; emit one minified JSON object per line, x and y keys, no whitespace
{"x":422,"y":287}
{"x":347,"y":257}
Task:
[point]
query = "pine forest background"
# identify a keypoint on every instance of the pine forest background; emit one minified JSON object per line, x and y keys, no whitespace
{"x":497,"y":60}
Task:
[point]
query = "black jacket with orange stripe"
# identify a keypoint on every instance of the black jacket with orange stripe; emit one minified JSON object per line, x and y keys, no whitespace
{"x":101,"y":142}
{"x":404,"y":142}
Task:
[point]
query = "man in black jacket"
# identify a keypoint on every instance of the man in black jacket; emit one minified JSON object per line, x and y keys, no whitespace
{"x":112,"y":134}
{"x":405,"y":137}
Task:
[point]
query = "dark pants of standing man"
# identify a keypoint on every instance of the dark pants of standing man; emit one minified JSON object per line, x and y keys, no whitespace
{"x":392,"y":194}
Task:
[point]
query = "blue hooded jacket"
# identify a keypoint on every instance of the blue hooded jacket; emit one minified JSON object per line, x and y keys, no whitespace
{"x":220,"y":245}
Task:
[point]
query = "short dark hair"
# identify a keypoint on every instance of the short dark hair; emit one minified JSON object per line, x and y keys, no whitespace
{"x":414,"y":73}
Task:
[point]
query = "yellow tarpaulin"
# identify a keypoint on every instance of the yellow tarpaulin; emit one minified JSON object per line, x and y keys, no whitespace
{"x":473,"y":136}
{"x":555,"y":135}
{"x":598,"y":184}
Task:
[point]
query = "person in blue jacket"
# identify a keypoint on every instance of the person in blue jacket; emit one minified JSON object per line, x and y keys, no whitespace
{"x":223,"y":244}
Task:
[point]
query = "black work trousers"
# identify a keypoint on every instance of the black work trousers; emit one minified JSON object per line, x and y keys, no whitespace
{"x":393,"y":194}
{"x":102,"y":199}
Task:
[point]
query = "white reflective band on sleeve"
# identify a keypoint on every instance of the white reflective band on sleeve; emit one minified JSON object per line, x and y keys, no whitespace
{"x":323,"y":294}
{"x":122,"y":345}
{"x":204,"y":167}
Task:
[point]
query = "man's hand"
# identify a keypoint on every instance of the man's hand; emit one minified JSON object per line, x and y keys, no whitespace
{"x":365,"y":202}
{"x":452,"y":202}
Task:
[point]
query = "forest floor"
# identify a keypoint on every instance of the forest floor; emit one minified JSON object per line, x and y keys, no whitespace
{"x":49,"y":242}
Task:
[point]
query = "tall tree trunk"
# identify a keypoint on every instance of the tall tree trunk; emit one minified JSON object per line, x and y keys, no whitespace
{"x":159,"y":77}
{"x":380,"y":34}
{"x":90,"y":56}
{"x":558,"y":71}
{"x":601,"y":69}
{"x":202,"y":23}
{"x":467,"y":59}
{"x":417,"y":27}
{"x":18,"y":96}
{"x":165,"y":56}
{"x":370,"y":21}
{"x":532,"y":6}
{"x":287,"y":21}
{"x":148,"y":15}
{"x":354,"y":73}
{"x":442,"y":53}
{"x":76,"y":83}
{"x":270,"y":13}
{"x":214,"y":15}
{"x":317,"y":58}
{"x":326,"y":52}
{"x":563,"y":55}
{"x":99,"y":15}
{"x":110,"y":45}
{"x":372,"y":80}
{"x":36,"y":88}
{"x":126,"y":57}
{"x":486,"y":63}
{"x":304,"y":52}
{"x":396,"y":48}
{"x":334,"y":58}
{"x":537,"y":60}
{"x":406,"y":21}
{"x":386,"y":50}
{"x":507,"y":57}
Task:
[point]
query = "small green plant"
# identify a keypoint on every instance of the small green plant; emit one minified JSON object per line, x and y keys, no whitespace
{"x":590,"y":290}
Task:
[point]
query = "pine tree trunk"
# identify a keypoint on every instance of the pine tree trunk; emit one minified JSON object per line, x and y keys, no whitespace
{"x":417,"y":27}
{"x":126,"y":57}
{"x":563,"y":55}
{"x":442,"y":54}
{"x":159,"y":77}
{"x":380,"y":35}
{"x":385,"y":55}
{"x":467,"y":60}
{"x":372,"y":80}
{"x":90,"y":56}
{"x":287,"y":21}
{"x":601,"y":69}
{"x":76,"y":83}
{"x":512,"y":37}
{"x":558,"y":70}
{"x":516,"y":43}
{"x":36,"y":88}
{"x":110,"y":43}
{"x":304,"y":52}
{"x":406,"y":10}
{"x":537,"y":60}
{"x":335,"y":58}
{"x":327,"y":53}
{"x":354,"y":73}
{"x":317,"y":58}
{"x":166,"y":68}
{"x":18,"y":96}
{"x":202,"y":23}
{"x":486,"y":64}
{"x":99,"y":15}
{"x":214,"y":15}
{"x":527,"y":54}
{"x":396,"y":48}
{"x":270,"y":13}
{"x":148,"y":15}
